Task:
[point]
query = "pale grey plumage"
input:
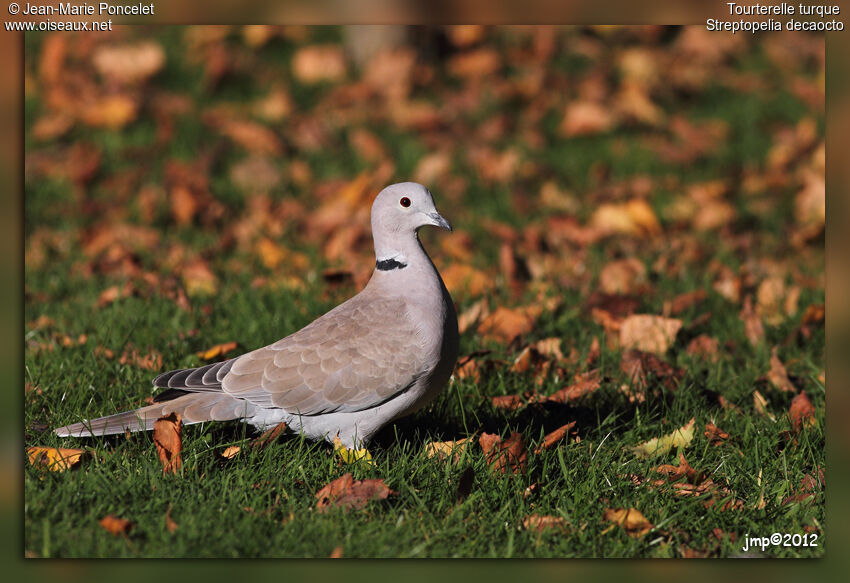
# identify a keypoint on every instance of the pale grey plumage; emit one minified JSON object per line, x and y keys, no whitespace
{"x":378,"y":356}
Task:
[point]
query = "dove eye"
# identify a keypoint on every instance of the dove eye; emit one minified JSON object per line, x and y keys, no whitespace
{"x":405,"y":202}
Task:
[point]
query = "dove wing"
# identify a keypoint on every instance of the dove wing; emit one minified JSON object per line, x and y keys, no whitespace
{"x":355,"y":357}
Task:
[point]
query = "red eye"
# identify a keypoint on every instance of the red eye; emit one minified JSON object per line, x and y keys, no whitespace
{"x":405,"y":202}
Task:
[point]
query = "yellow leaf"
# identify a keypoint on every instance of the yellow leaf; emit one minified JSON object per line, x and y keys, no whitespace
{"x":55,"y":459}
{"x":217,"y":350}
{"x":629,"y":519}
{"x":681,"y":438}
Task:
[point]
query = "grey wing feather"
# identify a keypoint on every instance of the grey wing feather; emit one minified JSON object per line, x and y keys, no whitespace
{"x":355,"y":357}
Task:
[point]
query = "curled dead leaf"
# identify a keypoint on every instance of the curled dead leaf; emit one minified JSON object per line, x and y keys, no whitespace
{"x":777,"y":375}
{"x":629,"y":519}
{"x":504,"y":456}
{"x":542,"y":523}
{"x":506,"y":324}
{"x":347,"y":493}
{"x":554,"y":437}
{"x":714,"y":434}
{"x":55,"y":459}
{"x":169,"y":442}
{"x":802,"y":412}
{"x":444,"y":450}
{"x":115,"y":525}
{"x":680,"y":438}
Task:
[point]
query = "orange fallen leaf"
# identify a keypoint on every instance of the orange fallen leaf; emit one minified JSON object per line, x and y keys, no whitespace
{"x":506,"y":324}
{"x":447,"y":449}
{"x":318,"y":63}
{"x":705,"y":347}
{"x":336,"y":553}
{"x":170,"y":525}
{"x":777,"y":375}
{"x":468,"y":369}
{"x":509,"y":402}
{"x":649,"y":333}
{"x":541,"y":523}
{"x":634,"y":217}
{"x":753,"y":327}
{"x":629,"y":519}
{"x":582,"y":385}
{"x":128,"y":63}
{"x":714,"y":434}
{"x":269,"y":436}
{"x":802,"y":412}
{"x":554,"y":437}
{"x":115,"y":525}
{"x":55,"y":459}
{"x":348,"y":493}
{"x":623,"y":276}
{"x":169,"y":443}
{"x":503,"y":456}
{"x":111,"y":112}
{"x":231,"y":452}
{"x":217,"y":351}
{"x":198,"y":279}
{"x":586,"y":117}
{"x":463,"y":280}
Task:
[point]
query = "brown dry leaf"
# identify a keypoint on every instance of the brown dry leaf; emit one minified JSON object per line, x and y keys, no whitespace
{"x":629,"y":519}
{"x":680,"y":438}
{"x":506,"y":324}
{"x":150,"y":361}
{"x":468,"y":369}
{"x":649,"y":333}
{"x":594,"y":352}
{"x":216,"y":351}
{"x":115,"y":525}
{"x":198,"y":279}
{"x":127,"y":64}
{"x":472,"y":315}
{"x":270,"y":436}
{"x":252,"y":136}
{"x":760,"y":403}
{"x":554,"y":437}
{"x":550,"y":348}
{"x":753,"y":327}
{"x":777,"y":375}
{"x":802,"y":412}
{"x":769,"y":300}
{"x":51,"y":125}
{"x":682,"y":302}
{"x":55,"y":459}
{"x":634,"y":217}
{"x":684,"y":469}
{"x":586,"y":117}
{"x":231,"y":452}
{"x":347,"y":493}
{"x":169,"y":443}
{"x":502,"y":456}
{"x":444,"y":450}
{"x":623,"y":276}
{"x":275,"y":106}
{"x":112,"y":112}
{"x":475,"y":64}
{"x":336,"y":553}
{"x":705,"y":347}
{"x":317,"y":63}
{"x":463,"y":280}
{"x":581,"y":386}
{"x":509,"y":402}
{"x":714,"y":434}
{"x":542,"y":523}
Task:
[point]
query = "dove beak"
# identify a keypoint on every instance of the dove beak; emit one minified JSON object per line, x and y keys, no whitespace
{"x":438,"y":221}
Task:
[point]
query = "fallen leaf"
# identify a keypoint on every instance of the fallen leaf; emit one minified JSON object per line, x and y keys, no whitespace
{"x":269,"y":436}
{"x":129,"y":63}
{"x":150,"y":361}
{"x":468,"y":369}
{"x":198,"y":279}
{"x":319,"y":63}
{"x":231,"y":452}
{"x":649,"y":333}
{"x":802,"y":412}
{"x":509,"y":402}
{"x":634,"y":217}
{"x":475,"y":64}
{"x":582,"y":385}
{"x":642,"y":367}
{"x":112,"y":112}
{"x":777,"y":375}
{"x":583,"y":118}
{"x":769,"y":297}
{"x":169,"y":443}
{"x":55,"y":459}
{"x":503,"y":456}
{"x":336,"y":553}
{"x":115,"y":525}
{"x":506,"y":324}
{"x":463,"y":280}
{"x":624,"y":276}
{"x":680,"y":438}
{"x":629,"y":519}
{"x":347,"y":493}
{"x":554,"y":437}
{"x":542,"y":523}
{"x":705,"y":347}
{"x":682,"y":302}
{"x":447,"y":449}
{"x":714,"y":434}
{"x":217,"y":351}
{"x":753,"y":327}
{"x":760,"y":403}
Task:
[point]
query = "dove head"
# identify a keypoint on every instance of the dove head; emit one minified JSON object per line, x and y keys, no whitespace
{"x":398,"y":213}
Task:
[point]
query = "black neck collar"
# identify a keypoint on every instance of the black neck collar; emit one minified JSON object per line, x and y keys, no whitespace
{"x":389,"y":264}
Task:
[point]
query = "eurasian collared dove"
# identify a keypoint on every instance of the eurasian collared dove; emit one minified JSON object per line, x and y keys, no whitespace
{"x":380,"y":355}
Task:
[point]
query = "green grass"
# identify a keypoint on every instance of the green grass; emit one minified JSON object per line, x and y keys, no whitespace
{"x":262,"y":503}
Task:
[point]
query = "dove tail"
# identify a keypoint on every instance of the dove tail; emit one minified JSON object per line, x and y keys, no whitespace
{"x":192,"y":407}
